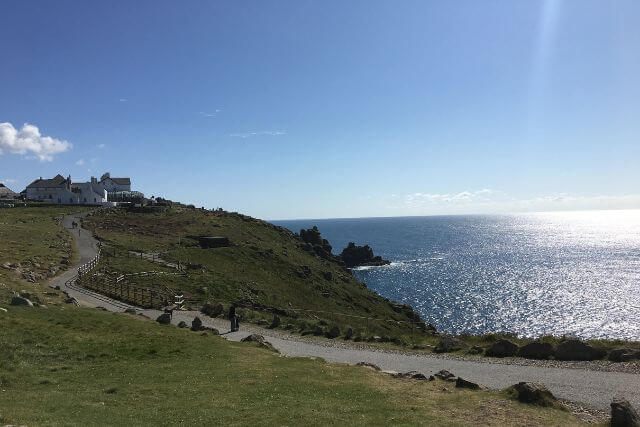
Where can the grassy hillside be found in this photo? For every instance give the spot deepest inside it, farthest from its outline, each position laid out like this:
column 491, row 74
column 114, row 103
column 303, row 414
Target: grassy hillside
column 264, row 270
column 76, row 366
column 33, row 248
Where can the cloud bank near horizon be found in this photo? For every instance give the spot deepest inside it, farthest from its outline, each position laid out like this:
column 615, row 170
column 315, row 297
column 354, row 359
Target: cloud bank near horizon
column 29, row 141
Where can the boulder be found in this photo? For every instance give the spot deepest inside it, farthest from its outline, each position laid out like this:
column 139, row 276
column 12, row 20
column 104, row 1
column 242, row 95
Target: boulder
column 536, row 350
column 164, row 319
column 462, row 383
column 577, row 350
column 131, row 311
column 502, row 348
column 623, row 414
column 369, row 365
column 182, row 324
column 253, row 338
column 622, row 355
column 532, row 393
column 213, row 331
column 448, row 344
column 71, row 300
column 3, row 310
column 17, row 300
column 333, row 332
column 444, row 375
column 196, row 324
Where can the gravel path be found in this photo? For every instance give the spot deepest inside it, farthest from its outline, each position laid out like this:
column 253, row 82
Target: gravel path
column 593, row 388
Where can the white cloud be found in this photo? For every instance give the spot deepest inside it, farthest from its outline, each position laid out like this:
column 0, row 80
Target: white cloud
column 264, row 132
column 214, row 114
column 7, row 181
column 80, row 162
column 123, row 100
column 463, row 197
column 495, row 201
column 101, row 146
column 28, row 140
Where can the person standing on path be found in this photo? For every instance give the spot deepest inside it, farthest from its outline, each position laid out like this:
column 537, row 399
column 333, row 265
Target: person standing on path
column 233, row 318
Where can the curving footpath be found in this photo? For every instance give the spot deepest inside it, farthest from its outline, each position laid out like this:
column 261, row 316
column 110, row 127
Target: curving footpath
column 592, row 388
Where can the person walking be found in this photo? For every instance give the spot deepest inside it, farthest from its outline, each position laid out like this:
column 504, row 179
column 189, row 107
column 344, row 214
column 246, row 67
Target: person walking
column 233, row 318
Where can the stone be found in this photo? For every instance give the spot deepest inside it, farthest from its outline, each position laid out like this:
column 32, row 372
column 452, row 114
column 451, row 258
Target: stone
column 375, row 338
column 71, row 300
column 623, row 414
column 462, row 383
column 536, row 350
column 131, row 311
column 369, row 365
column 164, row 319
column 196, row 324
column 414, row 375
column 333, row 332
column 577, row 350
column 348, row 334
column 622, row 355
column 213, row 331
column 182, row 324
column 534, row 394
column 327, row 275
column 448, row 344
column 502, row 348
column 17, row 300
column 444, row 375
column 253, row 338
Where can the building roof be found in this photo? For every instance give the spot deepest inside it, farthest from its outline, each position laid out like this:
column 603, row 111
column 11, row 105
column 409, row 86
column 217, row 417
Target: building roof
column 119, row 181
column 56, row 181
column 5, row 192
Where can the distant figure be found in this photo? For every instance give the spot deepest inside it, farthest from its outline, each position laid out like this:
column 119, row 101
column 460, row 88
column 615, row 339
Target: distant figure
column 233, row 318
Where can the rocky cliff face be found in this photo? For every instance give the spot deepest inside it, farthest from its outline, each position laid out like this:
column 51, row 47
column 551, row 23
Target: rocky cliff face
column 356, row 256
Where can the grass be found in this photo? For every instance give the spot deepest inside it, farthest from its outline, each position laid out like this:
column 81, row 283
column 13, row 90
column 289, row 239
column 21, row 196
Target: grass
column 67, row 365
column 262, row 270
column 33, row 239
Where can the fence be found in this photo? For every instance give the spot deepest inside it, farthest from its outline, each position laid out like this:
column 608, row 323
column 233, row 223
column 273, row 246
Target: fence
column 121, row 289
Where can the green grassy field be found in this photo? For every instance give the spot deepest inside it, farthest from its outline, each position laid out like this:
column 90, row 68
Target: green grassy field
column 264, row 269
column 63, row 365
column 72, row 366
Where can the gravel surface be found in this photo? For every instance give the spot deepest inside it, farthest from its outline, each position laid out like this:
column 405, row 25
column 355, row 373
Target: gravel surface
column 593, row 384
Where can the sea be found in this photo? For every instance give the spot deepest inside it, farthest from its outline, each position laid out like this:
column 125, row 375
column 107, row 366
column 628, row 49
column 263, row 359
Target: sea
column 553, row 273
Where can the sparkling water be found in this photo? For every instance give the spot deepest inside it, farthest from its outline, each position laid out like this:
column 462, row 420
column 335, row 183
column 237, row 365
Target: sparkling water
column 568, row 273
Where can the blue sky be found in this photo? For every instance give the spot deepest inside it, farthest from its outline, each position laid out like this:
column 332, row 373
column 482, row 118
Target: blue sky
column 310, row 109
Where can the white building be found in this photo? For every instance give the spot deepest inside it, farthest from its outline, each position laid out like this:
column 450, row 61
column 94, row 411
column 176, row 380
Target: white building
column 62, row 191
column 113, row 185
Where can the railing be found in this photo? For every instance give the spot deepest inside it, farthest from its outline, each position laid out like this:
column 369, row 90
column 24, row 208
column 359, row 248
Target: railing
column 119, row 287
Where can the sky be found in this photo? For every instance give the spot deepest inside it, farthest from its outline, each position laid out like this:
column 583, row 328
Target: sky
column 320, row 109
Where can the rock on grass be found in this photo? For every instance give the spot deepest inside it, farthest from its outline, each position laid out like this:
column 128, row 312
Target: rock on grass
column 623, row 414
column 534, row 394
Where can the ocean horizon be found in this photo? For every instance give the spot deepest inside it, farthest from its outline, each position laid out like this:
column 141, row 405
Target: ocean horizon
column 573, row 273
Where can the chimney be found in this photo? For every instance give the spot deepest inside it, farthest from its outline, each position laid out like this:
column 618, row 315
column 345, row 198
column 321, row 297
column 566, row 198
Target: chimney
column 94, row 180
